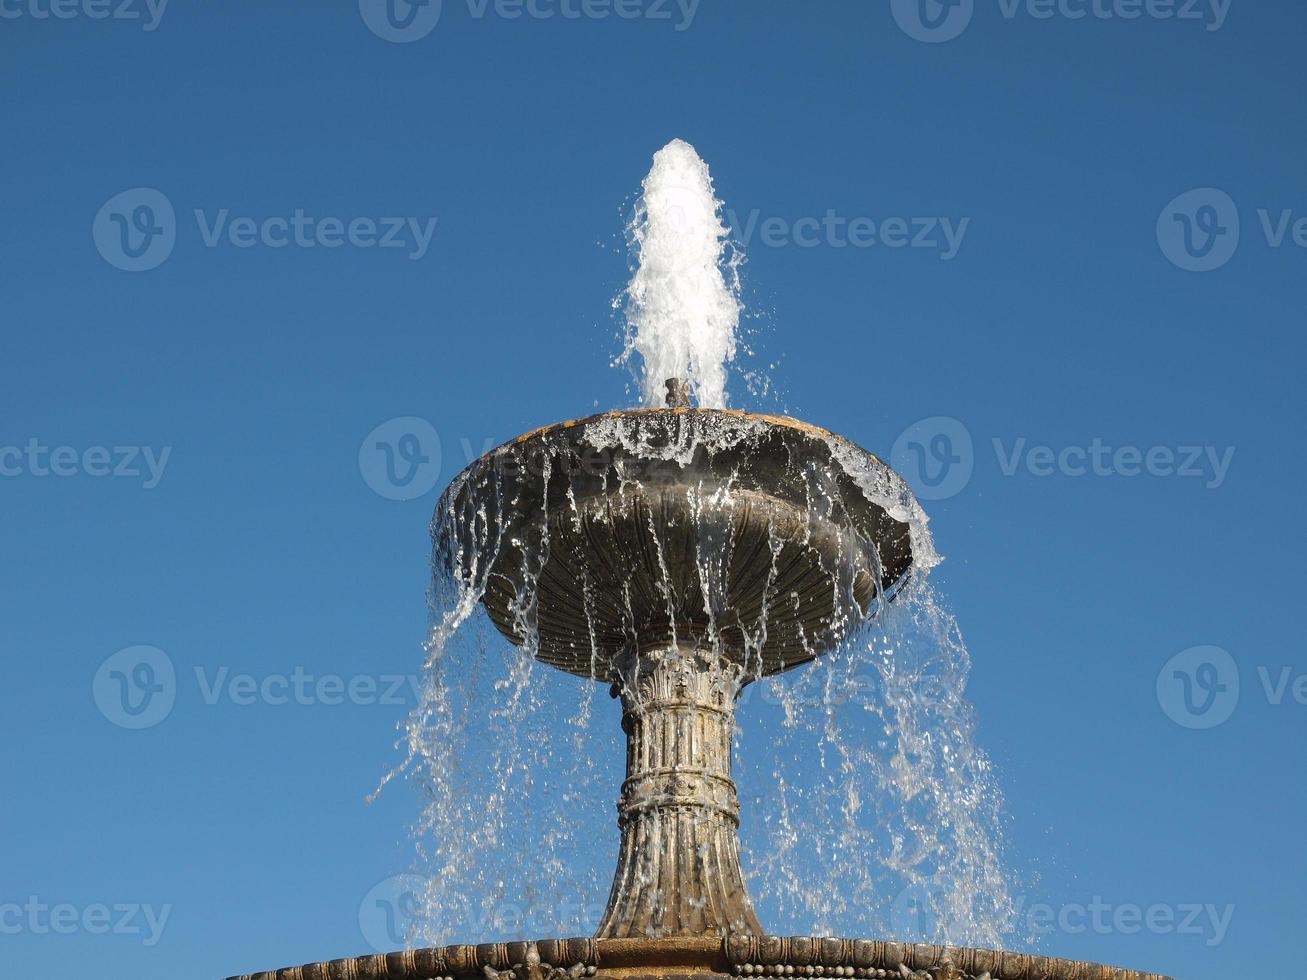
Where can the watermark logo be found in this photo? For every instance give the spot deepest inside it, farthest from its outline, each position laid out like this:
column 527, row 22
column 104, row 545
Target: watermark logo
column 675, row 213
column 400, row 459
column 303, row 230
column 136, row 687
column 923, row 912
column 136, row 229
column 404, row 21
column 390, row 911
column 935, row 456
column 781, row 691
column 1207, row 463
column 1199, row 230
column 1202, row 920
column 300, row 687
column 148, row 12
column 393, row 911
column 941, row 235
column 915, row 915
column 933, row 21
column 1198, row 688
column 937, row 459
column 39, row 918
column 1284, row 684
column 36, row 459
column 400, row 21
column 1210, row 13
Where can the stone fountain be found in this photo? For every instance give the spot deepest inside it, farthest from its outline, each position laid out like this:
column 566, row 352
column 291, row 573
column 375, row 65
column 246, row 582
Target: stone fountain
column 679, row 554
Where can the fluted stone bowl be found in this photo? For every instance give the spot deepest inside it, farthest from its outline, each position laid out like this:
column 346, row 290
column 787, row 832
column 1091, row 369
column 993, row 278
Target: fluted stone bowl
column 630, row 527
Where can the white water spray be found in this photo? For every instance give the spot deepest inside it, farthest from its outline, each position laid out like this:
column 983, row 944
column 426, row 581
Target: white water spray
column 682, row 305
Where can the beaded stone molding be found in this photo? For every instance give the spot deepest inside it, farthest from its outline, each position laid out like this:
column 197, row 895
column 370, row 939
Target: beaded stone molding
column 737, row 955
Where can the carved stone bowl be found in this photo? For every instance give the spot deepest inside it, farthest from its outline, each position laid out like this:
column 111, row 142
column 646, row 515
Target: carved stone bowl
column 642, row 527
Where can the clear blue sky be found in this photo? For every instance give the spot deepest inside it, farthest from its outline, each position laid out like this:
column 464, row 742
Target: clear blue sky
column 1064, row 318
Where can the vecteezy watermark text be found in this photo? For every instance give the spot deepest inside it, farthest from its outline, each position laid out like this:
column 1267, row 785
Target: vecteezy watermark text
column 304, row 688
column 137, row 687
column 1206, row 463
column 391, row 913
column 136, row 230
column 36, row 459
column 922, row 912
column 405, row 21
column 936, row 21
column 942, row 235
column 148, row 12
column 39, row 918
column 1101, row 918
column 938, row 457
column 305, row 231
column 1210, row 13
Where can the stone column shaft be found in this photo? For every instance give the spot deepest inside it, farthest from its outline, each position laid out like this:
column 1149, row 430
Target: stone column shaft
column 678, row 871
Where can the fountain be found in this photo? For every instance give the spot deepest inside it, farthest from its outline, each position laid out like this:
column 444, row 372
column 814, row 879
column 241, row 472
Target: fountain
column 678, row 554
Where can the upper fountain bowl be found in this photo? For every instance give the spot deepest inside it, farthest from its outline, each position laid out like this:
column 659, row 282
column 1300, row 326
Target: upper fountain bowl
column 761, row 537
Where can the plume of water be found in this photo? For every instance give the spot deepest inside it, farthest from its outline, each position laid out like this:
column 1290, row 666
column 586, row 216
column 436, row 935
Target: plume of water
column 682, row 305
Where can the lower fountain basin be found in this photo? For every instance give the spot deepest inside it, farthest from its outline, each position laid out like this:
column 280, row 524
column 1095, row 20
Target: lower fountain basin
column 671, row 959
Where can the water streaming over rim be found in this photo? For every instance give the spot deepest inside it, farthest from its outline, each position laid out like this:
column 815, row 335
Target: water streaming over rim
column 868, row 807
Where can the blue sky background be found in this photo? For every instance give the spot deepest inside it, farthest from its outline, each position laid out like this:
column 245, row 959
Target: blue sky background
column 1062, row 319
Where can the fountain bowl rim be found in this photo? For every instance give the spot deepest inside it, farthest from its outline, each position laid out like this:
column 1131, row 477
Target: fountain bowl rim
column 886, row 514
column 707, row 958
column 785, row 421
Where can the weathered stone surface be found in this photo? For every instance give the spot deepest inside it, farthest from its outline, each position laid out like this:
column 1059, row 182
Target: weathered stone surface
column 678, row 871
column 704, row 957
column 648, row 525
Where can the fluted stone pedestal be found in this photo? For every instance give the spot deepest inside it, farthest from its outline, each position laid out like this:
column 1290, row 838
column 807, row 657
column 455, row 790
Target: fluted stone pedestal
column 678, row 872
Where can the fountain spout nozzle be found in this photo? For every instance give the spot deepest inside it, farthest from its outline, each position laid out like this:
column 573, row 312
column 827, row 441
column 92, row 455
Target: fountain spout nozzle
column 678, row 393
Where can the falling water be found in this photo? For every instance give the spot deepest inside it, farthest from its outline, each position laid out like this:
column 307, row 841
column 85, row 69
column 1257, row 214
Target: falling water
column 868, row 807
column 682, row 305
